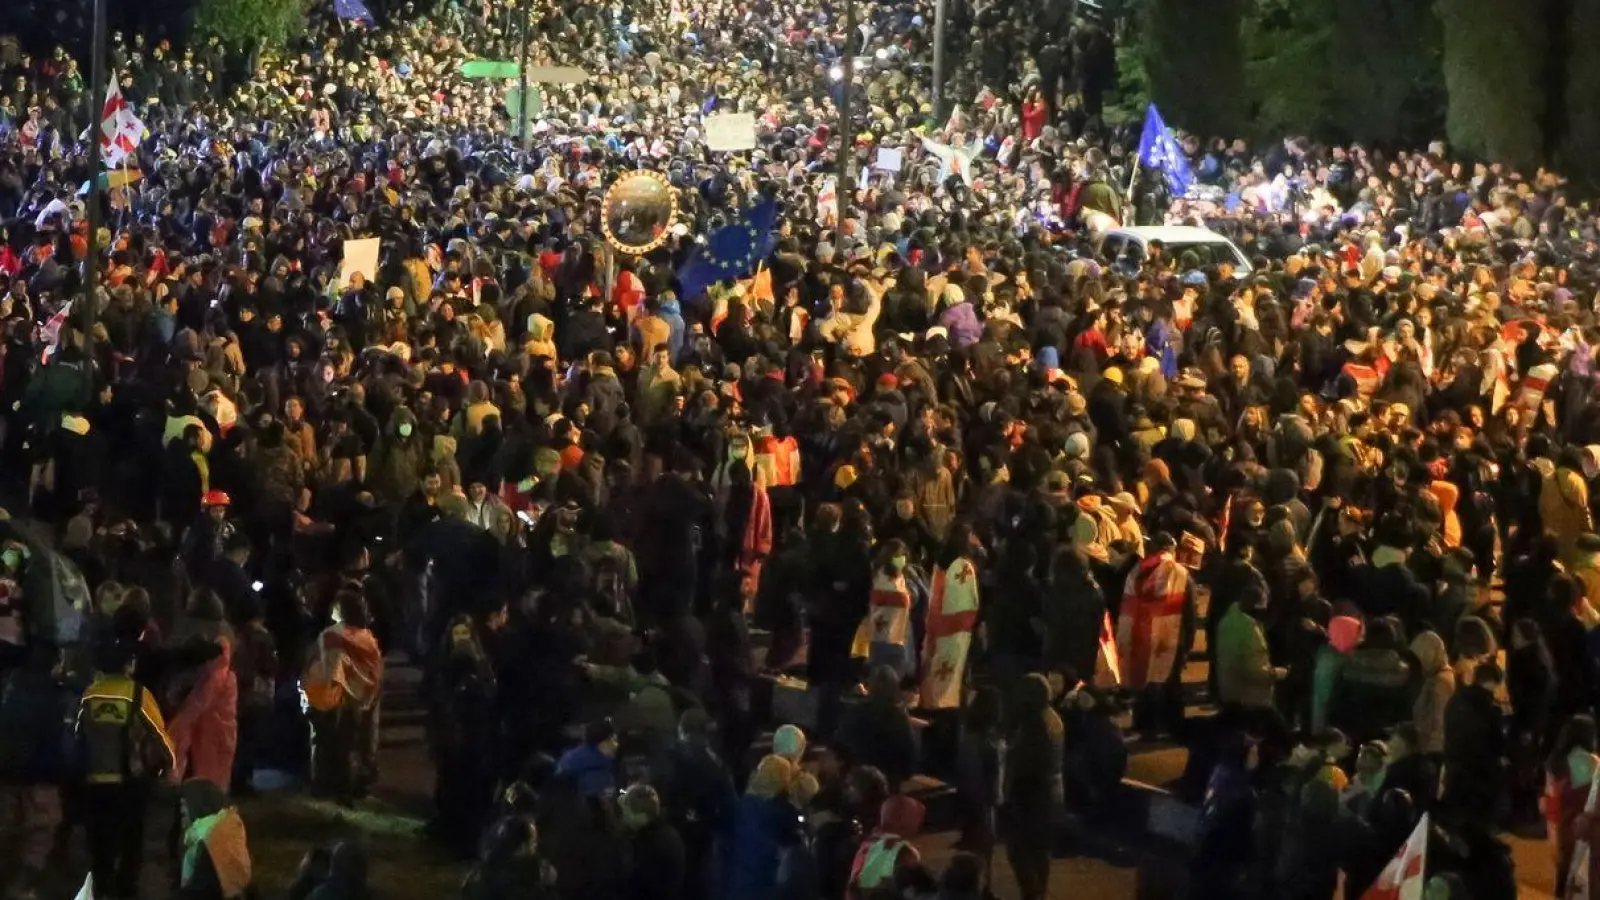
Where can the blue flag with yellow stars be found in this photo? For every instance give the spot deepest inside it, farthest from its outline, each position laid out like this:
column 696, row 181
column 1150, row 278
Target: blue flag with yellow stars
column 732, row 251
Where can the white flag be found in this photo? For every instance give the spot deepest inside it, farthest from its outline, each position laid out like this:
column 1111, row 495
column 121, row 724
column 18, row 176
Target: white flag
column 120, row 130
column 87, row 891
column 1404, row 877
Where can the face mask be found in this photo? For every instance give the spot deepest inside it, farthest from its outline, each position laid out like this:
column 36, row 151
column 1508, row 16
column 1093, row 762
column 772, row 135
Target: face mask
column 739, row 452
column 405, row 429
column 898, row 563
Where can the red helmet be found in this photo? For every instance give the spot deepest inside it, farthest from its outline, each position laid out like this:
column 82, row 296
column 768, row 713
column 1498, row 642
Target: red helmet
column 215, row 498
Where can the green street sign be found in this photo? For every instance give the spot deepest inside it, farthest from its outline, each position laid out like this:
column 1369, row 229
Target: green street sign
column 489, row 68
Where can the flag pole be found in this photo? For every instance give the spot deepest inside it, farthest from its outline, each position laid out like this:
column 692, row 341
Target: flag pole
column 97, row 78
column 1133, row 178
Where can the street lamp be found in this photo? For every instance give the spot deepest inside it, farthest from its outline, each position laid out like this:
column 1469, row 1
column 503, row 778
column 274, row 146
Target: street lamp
column 97, row 87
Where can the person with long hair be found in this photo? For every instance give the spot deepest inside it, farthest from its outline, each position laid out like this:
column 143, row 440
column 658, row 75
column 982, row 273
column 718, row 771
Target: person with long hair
column 889, row 617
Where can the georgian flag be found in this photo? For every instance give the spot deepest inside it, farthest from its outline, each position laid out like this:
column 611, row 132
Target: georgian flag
column 1403, row 878
column 120, row 130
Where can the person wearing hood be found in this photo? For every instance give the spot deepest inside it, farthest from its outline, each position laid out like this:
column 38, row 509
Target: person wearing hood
column 661, row 325
column 1344, row 636
column 1474, row 746
column 205, row 728
column 752, row 847
column 699, row 794
column 1438, row 684
column 1033, row 790
column 400, row 459
column 1155, row 629
column 1564, row 504
column 888, row 851
column 1373, row 691
column 878, row 732
column 461, row 694
column 216, row 851
column 1246, row 677
column 591, row 765
column 539, row 342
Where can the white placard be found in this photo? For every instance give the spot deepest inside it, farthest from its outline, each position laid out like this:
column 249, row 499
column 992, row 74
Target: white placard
column 729, row 132
column 360, row 255
column 889, row 160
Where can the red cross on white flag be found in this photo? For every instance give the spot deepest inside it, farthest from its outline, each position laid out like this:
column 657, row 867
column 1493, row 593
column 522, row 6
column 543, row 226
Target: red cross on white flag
column 120, row 130
column 1404, row 877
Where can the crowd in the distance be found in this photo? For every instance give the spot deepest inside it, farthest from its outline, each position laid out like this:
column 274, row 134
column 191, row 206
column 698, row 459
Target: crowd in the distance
column 937, row 446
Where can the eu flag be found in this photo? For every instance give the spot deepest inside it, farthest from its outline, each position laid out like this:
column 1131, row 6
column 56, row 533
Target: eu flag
column 351, row 9
column 1159, row 152
column 733, row 251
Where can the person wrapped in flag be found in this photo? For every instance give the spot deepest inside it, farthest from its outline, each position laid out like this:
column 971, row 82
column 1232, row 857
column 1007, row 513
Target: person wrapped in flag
column 1154, row 630
column 889, row 611
column 952, row 618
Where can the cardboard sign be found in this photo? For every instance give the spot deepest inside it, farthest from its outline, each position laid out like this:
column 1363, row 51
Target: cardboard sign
column 360, row 255
column 730, row 132
column 889, row 160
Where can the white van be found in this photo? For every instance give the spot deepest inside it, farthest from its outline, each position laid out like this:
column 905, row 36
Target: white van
column 1125, row 247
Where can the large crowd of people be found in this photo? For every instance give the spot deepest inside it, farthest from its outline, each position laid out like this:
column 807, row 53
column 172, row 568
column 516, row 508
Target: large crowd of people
column 698, row 577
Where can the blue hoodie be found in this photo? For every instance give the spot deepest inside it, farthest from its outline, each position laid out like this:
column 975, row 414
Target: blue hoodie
column 1049, row 358
column 674, row 316
column 590, row 769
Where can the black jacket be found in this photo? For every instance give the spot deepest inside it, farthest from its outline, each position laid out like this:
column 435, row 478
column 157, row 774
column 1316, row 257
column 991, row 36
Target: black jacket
column 657, row 863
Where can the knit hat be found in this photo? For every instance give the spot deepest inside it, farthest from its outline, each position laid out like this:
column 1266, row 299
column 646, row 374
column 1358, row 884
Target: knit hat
column 771, row 777
column 1344, row 633
column 789, row 742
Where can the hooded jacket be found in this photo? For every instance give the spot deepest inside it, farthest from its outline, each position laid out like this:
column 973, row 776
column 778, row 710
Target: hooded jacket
column 205, row 729
column 216, row 855
column 400, row 459
column 1438, row 684
column 1244, row 670
column 890, row 849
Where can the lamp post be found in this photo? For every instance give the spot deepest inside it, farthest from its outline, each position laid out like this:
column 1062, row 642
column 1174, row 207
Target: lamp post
column 96, row 93
column 938, row 59
column 847, row 68
column 522, row 78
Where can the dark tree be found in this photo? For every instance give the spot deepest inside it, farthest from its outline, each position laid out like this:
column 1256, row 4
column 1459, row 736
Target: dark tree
column 1194, row 58
column 1494, row 53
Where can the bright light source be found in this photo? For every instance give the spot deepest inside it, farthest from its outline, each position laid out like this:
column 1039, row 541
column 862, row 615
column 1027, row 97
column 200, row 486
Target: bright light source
column 836, row 73
column 882, row 54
